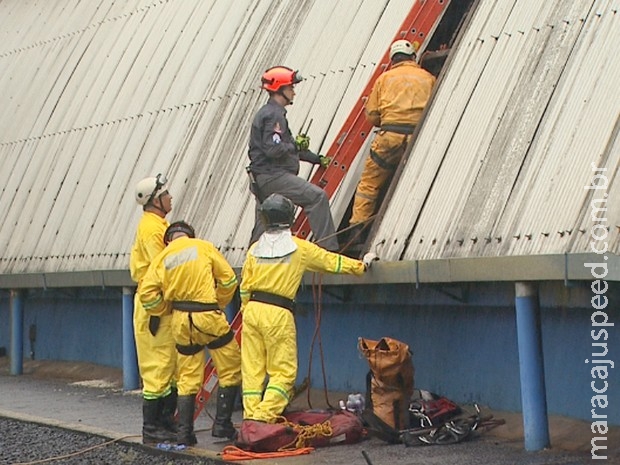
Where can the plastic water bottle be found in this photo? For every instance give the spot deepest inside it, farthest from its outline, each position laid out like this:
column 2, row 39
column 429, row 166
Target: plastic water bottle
column 355, row 403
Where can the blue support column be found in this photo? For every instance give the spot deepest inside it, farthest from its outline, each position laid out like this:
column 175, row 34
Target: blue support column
column 17, row 332
column 531, row 367
column 131, row 377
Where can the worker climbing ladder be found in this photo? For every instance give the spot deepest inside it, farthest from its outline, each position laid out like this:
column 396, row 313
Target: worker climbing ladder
column 419, row 23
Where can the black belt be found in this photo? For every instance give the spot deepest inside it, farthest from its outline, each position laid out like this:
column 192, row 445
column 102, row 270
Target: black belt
column 400, row 129
column 191, row 307
column 273, row 299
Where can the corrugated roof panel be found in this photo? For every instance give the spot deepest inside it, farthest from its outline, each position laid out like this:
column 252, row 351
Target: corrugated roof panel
column 123, row 90
column 514, row 122
column 129, row 89
column 503, row 169
column 583, row 113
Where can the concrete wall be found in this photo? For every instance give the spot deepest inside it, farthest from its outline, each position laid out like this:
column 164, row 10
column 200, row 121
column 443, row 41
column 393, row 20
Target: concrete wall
column 463, row 337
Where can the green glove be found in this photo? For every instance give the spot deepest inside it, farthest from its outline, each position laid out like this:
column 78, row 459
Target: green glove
column 302, row 142
column 324, row 161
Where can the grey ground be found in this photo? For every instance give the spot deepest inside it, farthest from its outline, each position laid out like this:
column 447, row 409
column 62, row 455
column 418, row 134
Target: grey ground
column 59, row 409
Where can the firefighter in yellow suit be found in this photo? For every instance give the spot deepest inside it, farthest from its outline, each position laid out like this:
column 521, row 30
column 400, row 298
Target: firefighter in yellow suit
column 195, row 280
column 395, row 106
column 271, row 276
column 154, row 343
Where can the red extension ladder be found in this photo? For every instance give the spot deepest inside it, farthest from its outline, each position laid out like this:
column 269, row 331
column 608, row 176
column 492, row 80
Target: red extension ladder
column 420, row 22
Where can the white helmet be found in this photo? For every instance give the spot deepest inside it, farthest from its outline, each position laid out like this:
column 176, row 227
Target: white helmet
column 401, row 46
column 150, row 188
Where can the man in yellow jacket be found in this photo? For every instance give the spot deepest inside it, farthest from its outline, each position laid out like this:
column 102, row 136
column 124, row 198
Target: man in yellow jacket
column 271, row 276
column 395, row 106
column 191, row 277
column 154, row 343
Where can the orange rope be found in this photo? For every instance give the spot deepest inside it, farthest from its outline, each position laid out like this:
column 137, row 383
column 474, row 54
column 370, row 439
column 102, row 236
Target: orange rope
column 233, row 453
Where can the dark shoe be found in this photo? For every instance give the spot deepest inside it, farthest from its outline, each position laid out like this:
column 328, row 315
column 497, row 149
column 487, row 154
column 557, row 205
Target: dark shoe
column 185, row 434
column 169, row 408
column 222, row 426
column 152, row 431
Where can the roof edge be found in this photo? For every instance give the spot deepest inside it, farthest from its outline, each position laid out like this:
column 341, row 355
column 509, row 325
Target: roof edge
column 562, row 267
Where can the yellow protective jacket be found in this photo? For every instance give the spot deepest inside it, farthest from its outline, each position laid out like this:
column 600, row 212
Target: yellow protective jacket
column 399, row 95
column 282, row 276
column 187, row 270
column 149, row 242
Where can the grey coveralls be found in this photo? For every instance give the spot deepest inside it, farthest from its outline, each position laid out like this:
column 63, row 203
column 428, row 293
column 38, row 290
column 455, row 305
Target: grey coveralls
column 274, row 161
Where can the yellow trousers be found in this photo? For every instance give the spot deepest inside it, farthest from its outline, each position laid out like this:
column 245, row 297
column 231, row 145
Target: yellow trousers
column 386, row 151
column 201, row 328
column 269, row 348
column 157, row 355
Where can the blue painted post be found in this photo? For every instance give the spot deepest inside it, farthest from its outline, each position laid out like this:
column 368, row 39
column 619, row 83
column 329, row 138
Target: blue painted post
column 531, row 367
column 17, row 332
column 131, row 377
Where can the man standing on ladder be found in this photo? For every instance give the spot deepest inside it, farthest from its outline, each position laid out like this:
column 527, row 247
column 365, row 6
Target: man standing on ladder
column 275, row 155
column 157, row 355
column 395, row 106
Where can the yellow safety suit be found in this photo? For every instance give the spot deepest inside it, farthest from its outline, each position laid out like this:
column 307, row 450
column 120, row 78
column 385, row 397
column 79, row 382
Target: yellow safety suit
column 395, row 105
column 269, row 345
column 195, row 279
column 157, row 354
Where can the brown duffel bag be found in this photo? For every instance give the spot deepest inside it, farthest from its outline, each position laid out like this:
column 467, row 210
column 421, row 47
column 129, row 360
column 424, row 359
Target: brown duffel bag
column 390, row 381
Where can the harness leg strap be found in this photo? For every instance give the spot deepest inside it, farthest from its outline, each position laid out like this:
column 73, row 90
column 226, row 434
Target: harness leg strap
column 221, row 341
column 189, row 349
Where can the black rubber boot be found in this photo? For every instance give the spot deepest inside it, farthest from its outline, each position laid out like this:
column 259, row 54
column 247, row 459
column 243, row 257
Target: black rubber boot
column 169, row 408
column 185, row 434
column 222, row 426
column 152, row 431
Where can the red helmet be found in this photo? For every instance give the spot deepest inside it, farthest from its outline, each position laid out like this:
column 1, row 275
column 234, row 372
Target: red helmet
column 279, row 76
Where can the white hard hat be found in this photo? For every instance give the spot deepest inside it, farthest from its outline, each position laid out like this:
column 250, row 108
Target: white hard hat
column 150, row 188
column 401, row 46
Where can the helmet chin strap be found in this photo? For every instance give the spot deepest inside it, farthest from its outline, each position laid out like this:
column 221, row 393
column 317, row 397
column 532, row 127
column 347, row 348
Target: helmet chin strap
column 288, row 100
column 156, row 207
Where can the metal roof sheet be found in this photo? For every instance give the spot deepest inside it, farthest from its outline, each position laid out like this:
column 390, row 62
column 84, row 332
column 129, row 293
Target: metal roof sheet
column 527, row 103
column 98, row 95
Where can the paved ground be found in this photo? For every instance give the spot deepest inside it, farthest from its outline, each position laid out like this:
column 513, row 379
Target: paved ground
column 90, row 399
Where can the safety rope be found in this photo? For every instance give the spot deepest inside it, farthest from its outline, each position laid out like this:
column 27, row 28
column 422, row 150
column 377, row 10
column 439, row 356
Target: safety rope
column 317, row 295
column 317, row 316
column 233, row 454
column 299, row 446
column 305, row 433
column 351, row 240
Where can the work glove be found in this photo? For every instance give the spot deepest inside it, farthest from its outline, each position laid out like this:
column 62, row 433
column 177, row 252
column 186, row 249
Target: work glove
column 368, row 259
column 324, row 161
column 302, row 142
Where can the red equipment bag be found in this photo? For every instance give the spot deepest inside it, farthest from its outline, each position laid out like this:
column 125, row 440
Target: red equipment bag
column 301, row 429
column 431, row 409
